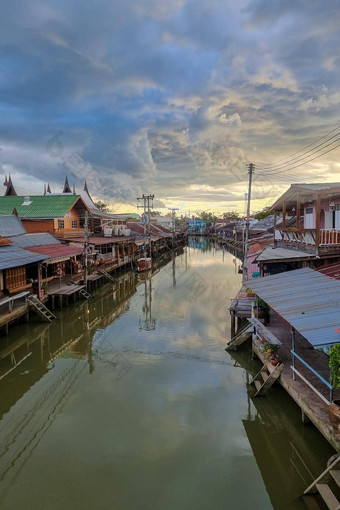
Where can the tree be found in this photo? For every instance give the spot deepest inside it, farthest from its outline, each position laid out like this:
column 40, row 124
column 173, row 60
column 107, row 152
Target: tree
column 263, row 214
column 231, row 215
column 155, row 213
column 102, row 206
column 208, row 217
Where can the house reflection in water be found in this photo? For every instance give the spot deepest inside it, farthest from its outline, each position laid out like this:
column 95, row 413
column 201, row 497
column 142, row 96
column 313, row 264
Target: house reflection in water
column 286, row 451
column 34, row 394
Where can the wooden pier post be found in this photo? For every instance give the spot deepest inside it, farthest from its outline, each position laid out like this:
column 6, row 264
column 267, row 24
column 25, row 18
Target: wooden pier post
column 232, row 325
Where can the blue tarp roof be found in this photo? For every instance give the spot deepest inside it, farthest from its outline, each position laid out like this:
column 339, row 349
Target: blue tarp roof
column 11, row 256
column 306, row 299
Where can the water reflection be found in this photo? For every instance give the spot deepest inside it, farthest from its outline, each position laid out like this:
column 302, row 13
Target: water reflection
column 99, row 414
column 287, row 453
column 148, row 322
column 199, row 242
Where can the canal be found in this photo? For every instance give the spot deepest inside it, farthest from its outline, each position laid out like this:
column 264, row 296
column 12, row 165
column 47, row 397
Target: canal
column 130, row 401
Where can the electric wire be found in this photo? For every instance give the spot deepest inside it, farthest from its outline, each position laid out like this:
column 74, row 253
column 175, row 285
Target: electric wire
column 284, row 170
column 297, row 160
column 286, row 160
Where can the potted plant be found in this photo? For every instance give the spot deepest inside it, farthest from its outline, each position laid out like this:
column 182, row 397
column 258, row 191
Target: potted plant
column 261, row 309
column 249, row 292
column 43, row 290
column 334, row 364
column 270, row 351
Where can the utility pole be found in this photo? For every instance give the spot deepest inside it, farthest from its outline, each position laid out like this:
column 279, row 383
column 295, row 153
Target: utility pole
column 251, row 168
column 86, row 245
column 146, row 215
column 244, row 217
column 173, row 216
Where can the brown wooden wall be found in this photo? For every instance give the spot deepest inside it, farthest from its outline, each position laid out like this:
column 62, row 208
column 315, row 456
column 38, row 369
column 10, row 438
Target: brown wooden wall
column 38, row 226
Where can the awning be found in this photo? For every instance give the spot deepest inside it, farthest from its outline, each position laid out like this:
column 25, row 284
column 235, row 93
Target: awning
column 58, row 259
column 308, row 300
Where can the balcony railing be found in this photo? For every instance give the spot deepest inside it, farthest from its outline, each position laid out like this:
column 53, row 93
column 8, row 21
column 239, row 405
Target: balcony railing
column 60, row 232
column 329, row 236
column 304, row 236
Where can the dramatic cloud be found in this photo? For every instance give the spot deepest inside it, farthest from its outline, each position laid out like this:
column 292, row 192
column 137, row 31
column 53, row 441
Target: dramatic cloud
column 172, row 98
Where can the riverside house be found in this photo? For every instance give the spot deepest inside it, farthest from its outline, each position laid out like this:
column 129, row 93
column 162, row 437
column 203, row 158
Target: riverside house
column 61, row 215
column 316, row 209
column 309, row 230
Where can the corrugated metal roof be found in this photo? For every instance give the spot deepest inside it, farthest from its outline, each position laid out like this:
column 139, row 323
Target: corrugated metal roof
column 56, row 251
column 42, row 206
column 307, row 299
column 26, row 240
column 11, row 256
column 282, row 253
column 317, row 186
column 10, row 225
column 97, row 241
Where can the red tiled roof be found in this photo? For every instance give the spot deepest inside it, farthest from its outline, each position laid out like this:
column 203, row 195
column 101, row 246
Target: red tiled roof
column 154, row 227
column 332, row 270
column 136, row 227
column 255, row 248
column 163, row 229
column 55, row 251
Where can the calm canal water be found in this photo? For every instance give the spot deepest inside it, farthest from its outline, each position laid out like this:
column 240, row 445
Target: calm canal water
column 129, row 401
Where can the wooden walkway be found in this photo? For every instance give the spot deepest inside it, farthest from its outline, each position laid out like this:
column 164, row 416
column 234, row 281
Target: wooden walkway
column 313, row 408
column 64, row 293
column 241, row 304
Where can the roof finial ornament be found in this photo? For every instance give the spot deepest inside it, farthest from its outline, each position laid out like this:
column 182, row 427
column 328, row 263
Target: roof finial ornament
column 10, row 191
column 67, row 188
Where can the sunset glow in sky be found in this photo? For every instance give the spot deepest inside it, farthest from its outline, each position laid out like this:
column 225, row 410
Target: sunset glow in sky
column 172, row 98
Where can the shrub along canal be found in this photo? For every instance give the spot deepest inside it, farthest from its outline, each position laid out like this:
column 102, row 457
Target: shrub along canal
column 129, row 401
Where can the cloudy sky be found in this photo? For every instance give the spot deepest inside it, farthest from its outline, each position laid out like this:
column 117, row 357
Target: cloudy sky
column 167, row 97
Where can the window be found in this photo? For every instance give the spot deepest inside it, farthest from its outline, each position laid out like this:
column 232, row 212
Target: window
column 60, row 223
column 309, row 218
column 74, row 224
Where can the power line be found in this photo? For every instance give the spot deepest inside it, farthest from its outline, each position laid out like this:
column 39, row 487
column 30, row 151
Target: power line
column 284, row 161
column 284, row 170
column 283, row 167
column 281, row 178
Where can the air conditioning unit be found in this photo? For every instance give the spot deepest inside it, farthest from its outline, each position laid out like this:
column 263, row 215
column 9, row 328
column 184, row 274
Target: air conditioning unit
column 107, row 231
column 127, row 232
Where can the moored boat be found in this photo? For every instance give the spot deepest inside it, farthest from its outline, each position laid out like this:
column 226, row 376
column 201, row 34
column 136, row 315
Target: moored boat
column 144, row 263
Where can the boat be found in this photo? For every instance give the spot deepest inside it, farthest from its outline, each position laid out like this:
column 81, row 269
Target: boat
column 144, row 264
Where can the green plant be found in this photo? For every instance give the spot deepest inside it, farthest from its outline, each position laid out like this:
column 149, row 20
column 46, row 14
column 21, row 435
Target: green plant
column 269, row 349
column 334, row 364
column 249, row 291
column 261, row 304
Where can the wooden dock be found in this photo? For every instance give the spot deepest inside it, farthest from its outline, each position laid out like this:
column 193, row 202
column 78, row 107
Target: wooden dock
column 64, row 293
column 313, row 408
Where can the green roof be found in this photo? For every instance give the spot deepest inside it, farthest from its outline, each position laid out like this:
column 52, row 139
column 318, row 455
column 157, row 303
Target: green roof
column 127, row 215
column 41, row 206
